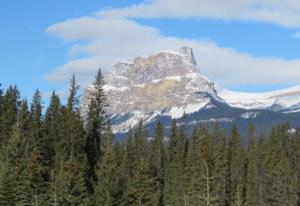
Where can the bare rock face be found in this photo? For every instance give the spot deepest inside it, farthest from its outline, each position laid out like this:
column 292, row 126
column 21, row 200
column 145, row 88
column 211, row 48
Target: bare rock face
column 155, row 83
column 188, row 55
column 147, row 84
column 168, row 84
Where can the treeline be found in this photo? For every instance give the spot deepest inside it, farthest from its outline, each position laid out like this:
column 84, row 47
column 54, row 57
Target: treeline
column 57, row 158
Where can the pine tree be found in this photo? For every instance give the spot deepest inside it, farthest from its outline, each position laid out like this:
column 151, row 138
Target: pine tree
column 53, row 130
column 294, row 158
column 7, row 190
column 141, row 187
column 198, row 169
column 194, row 186
column 76, row 159
column 127, row 167
column 252, row 181
column 157, row 159
column 278, row 177
column 94, row 129
column 261, row 167
column 23, row 135
column 107, row 187
column 174, row 174
column 10, row 108
column 40, row 157
column 14, row 189
column 208, row 199
column 218, row 170
column 66, row 131
column 235, row 173
column 51, row 133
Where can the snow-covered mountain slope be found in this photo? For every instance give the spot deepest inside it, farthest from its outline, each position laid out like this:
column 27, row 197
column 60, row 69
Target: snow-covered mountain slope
column 168, row 85
column 286, row 100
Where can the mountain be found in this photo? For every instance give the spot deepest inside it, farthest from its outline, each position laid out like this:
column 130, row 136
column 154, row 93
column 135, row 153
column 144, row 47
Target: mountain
column 169, row 85
column 287, row 100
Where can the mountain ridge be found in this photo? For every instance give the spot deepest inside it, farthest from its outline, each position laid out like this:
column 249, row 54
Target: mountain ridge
column 169, row 84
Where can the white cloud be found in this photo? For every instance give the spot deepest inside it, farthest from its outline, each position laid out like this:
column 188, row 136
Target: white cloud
column 107, row 39
column 280, row 12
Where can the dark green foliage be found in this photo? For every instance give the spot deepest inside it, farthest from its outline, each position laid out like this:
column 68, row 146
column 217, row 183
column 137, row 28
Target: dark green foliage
column 10, row 108
column 174, row 168
column 94, row 130
column 141, row 187
column 1, row 100
column 15, row 188
column 68, row 176
column 218, row 165
column 193, row 169
column 252, row 181
column 235, row 170
column 56, row 157
column 106, row 189
column 157, row 160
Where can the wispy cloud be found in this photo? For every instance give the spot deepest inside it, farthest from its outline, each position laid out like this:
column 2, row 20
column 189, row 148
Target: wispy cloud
column 111, row 35
column 284, row 13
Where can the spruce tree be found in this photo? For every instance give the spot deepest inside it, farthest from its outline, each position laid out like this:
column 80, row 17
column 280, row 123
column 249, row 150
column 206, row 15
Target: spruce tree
column 193, row 184
column 252, row 181
column 218, row 170
column 174, row 173
column 141, row 187
column 235, row 173
column 7, row 187
column 157, row 159
column 278, row 176
column 40, row 157
column 68, row 182
column 94, row 130
column 294, row 157
column 8, row 118
column 76, row 158
column 14, row 184
column 107, row 187
column 127, row 167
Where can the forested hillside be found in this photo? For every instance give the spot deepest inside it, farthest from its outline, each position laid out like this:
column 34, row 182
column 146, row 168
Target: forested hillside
column 54, row 156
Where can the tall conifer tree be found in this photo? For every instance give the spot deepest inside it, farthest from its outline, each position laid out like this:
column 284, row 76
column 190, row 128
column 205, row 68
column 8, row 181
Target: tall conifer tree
column 10, row 108
column 95, row 129
column 235, row 187
column 157, row 160
column 252, row 182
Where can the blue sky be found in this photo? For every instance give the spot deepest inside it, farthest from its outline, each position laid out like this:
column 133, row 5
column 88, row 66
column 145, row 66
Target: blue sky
column 43, row 42
column 27, row 52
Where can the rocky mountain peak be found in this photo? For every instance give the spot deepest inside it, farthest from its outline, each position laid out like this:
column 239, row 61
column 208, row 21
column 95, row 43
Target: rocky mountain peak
column 156, row 82
column 160, row 65
column 188, row 55
column 169, row 84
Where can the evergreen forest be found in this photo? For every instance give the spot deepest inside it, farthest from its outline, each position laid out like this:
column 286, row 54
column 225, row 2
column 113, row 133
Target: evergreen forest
column 56, row 156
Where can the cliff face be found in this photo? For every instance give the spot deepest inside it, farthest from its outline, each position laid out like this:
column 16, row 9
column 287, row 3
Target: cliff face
column 154, row 83
column 168, row 85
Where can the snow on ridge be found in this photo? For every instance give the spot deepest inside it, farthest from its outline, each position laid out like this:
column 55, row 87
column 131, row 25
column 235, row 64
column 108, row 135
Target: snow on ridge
column 265, row 100
column 110, row 87
column 139, row 85
column 249, row 115
column 173, row 112
column 170, row 51
column 179, row 111
column 176, row 78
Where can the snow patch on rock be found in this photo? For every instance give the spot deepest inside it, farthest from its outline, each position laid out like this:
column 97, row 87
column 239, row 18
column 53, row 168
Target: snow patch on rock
column 249, row 115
